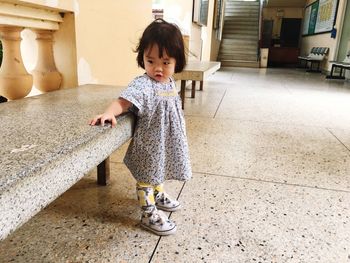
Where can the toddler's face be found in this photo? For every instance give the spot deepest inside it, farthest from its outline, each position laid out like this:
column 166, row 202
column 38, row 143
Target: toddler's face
column 159, row 69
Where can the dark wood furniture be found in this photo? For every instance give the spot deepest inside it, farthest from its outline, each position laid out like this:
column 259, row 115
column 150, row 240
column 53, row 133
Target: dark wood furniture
column 281, row 56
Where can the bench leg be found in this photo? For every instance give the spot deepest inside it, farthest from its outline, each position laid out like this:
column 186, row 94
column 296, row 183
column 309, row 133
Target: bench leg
column 331, row 76
column 193, row 92
column 103, row 172
column 306, row 65
column 201, row 85
column 312, row 67
column 182, row 93
column 332, row 70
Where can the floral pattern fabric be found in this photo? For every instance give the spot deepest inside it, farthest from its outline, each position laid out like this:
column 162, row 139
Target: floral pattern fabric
column 159, row 148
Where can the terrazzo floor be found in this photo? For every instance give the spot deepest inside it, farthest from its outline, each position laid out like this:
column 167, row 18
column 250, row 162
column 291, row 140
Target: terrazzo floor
column 270, row 151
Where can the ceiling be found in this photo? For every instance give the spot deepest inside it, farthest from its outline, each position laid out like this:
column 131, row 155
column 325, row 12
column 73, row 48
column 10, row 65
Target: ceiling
column 285, row 3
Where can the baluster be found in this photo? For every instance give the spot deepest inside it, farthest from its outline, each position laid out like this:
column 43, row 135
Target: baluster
column 15, row 82
column 46, row 76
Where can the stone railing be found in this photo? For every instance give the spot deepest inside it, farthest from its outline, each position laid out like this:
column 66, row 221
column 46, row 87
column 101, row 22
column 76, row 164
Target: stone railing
column 15, row 81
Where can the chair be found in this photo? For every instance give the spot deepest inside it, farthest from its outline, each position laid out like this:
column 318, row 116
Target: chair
column 342, row 65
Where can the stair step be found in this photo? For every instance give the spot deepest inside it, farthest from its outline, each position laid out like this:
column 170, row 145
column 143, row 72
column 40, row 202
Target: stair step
column 235, row 7
column 244, row 57
column 238, row 63
column 238, row 48
column 241, row 18
column 239, row 42
column 242, row 26
column 242, row 31
column 243, row 8
column 240, row 23
column 230, row 51
column 239, row 45
column 242, row 3
column 241, row 13
column 240, row 36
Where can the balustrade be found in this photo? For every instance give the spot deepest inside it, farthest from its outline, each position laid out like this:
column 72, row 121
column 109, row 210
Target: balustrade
column 15, row 81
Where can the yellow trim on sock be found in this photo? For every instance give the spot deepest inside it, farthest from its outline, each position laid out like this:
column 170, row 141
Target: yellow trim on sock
column 145, row 194
column 159, row 188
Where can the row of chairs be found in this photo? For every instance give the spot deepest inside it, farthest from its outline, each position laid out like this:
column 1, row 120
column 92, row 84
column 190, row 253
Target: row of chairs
column 317, row 55
column 314, row 58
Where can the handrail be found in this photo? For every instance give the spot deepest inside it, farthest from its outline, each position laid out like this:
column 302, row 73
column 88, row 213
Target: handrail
column 261, row 3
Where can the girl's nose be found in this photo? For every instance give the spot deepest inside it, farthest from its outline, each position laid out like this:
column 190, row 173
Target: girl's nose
column 158, row 68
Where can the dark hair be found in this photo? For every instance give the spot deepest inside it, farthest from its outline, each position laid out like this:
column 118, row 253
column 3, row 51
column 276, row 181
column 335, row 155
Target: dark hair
column 168, row 38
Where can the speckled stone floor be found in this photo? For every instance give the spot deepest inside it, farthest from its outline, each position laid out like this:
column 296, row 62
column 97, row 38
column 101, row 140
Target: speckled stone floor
column 270, row 151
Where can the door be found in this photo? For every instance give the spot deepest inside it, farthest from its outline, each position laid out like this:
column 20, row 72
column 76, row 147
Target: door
column 290, row 32
column 266, row 33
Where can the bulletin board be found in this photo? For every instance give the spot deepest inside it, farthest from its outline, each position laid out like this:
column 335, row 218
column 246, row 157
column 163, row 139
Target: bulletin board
column 319, row 17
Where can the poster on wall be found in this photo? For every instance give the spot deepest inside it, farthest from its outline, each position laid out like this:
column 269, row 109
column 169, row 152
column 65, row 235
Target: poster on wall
column 313, row 18
column 319, row 17
column 326, row 16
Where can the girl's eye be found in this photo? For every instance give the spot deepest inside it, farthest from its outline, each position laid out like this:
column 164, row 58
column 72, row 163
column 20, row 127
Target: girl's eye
column 166, row 63
column 150, row 61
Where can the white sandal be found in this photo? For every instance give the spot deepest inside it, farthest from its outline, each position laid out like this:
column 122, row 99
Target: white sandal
column 166, row 203
column 158, row 223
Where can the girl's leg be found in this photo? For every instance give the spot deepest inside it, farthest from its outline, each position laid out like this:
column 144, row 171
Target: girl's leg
column 163, row 201
column 152, row 219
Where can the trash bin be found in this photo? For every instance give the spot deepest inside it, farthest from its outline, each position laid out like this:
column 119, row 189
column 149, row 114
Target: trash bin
column 264, row 55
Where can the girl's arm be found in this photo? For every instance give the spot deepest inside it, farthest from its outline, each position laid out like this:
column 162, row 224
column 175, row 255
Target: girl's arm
column 116, row 108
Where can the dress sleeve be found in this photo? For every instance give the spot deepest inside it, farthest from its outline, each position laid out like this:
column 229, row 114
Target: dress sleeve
column 135, row 93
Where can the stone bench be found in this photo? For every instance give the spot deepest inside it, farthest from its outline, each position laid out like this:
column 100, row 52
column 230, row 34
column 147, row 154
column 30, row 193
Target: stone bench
column 47, row 146
column 195, row 71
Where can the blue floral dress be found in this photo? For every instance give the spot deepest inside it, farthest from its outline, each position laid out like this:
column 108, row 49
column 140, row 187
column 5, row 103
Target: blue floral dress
column 159, row 148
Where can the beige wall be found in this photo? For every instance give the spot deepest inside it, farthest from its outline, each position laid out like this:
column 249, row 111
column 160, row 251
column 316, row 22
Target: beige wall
column 95, row 42
column 64, row 5
column 325, row 40
column 65, row 51
column 106, row 36
column 271, row 14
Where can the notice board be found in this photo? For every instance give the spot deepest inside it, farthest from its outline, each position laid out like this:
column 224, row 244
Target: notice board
column 319, row 17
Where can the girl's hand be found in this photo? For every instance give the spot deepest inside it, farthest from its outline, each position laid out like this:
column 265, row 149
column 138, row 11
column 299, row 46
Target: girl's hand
column 103, row 118
column 116, row 108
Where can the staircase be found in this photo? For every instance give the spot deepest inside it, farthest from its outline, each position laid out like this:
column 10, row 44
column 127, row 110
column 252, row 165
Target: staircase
column 239, row 44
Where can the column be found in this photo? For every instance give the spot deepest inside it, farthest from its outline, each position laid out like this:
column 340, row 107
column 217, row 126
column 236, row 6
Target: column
column 15, row 82
column 46, row 76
